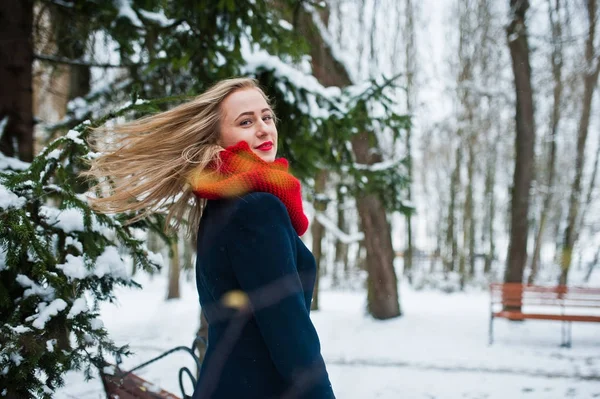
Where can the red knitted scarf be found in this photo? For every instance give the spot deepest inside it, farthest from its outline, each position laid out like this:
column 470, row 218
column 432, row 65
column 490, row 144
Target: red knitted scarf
column 242, row 172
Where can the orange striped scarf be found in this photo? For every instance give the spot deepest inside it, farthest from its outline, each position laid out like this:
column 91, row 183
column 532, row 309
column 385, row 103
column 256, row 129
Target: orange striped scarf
column 242, row 172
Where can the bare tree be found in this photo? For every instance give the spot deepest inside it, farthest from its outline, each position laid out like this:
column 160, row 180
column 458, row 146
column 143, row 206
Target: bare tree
column 491, row 129
column 341, row 248
column 557, row 66
column 410, row 67
column 174, row 269
column 189, row 253
column 524, row 143
column 16, row 57
column 318, row 231
column 382, row 296
column 451, row 242
column 72, row 46
column 490, row 208
column 467, row 52
column 590, row 189
column 590, row 78
column 592, row 265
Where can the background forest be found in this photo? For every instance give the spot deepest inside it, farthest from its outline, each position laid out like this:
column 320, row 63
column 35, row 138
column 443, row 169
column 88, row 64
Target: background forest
column 442, row 145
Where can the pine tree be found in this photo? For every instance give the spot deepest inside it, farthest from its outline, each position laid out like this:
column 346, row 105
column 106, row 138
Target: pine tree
column 58, row 261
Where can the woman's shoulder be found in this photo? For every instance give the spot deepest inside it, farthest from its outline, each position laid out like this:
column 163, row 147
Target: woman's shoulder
column 258, row 203
column 260, row 208
column 259, row 199
column 250, row 211
column 224, row 217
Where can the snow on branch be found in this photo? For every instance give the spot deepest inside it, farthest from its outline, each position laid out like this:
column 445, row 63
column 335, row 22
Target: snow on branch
column 376, row 167
column 32, row 288
column 157, row 17
column 258, row 58
column 332, row 228
column 3, row 124
column 126, row 11
column 379, row 166
column 8, row 199
column 47, row 312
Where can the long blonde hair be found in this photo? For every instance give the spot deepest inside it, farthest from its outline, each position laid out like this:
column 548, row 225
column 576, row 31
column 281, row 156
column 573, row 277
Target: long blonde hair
column 149, row 159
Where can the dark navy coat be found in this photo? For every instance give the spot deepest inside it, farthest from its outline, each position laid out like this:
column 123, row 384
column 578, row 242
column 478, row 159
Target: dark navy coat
column 247, row 248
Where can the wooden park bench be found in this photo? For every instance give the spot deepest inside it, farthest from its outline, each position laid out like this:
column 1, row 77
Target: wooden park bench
column 120, row 384
column 516, row 301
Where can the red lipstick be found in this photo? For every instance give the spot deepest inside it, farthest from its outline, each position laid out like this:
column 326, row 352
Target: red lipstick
column 266, row 146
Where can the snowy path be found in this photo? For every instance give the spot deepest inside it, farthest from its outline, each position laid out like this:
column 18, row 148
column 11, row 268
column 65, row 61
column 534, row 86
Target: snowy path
column 438, row 349
column 407, row 383
column 462, row 369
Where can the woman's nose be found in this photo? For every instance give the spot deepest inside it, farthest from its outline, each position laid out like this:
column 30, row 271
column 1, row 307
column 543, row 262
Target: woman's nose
column 263, row 128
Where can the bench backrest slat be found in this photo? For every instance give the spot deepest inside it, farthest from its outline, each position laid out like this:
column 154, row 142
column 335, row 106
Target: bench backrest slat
column 514, row 294
column 131, row 386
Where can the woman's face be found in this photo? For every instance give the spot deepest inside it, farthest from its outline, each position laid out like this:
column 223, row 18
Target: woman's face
column 246, row 116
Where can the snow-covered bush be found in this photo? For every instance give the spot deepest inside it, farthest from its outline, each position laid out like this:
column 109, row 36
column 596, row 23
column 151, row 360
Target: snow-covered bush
column 58, row 261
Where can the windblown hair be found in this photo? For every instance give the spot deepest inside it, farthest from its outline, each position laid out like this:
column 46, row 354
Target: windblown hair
column 147, row 161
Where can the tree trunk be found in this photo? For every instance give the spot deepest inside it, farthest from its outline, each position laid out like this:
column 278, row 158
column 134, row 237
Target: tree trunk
column 488, row 66
column 71, row 43
column 591, row 266
column 173, row 291
column 383, row 300
column 590, row 191
column 490, row 182
column 361, row 43
column 382, row 295
column 439, row 239
column 410, row 56
column 556, row 231
column 188, row 257
column 16, row 100
column 469, row 209
column 590, row 77
column 154, row 244
column 557, row 63
column 341, row 248
column 451, row 244
column 361, row 256
column 524, row 143
column 462, row 263
column 465, row 119
column 317, row 232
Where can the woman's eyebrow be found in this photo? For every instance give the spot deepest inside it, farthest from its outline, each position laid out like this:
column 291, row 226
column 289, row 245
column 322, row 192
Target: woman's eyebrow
column 244, row 113
column 251, row 113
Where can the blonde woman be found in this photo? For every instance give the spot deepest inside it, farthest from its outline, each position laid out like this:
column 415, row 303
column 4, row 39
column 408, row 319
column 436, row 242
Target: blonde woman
column 254, row 275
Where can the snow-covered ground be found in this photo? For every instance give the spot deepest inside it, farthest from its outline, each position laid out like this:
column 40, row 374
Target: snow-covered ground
column 438, row 349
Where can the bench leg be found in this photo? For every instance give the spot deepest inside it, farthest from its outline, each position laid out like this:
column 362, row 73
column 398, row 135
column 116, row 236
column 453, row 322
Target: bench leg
column 566, row 334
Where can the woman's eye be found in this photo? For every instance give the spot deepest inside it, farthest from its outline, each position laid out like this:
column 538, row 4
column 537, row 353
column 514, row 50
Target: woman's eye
column 245, row 122
column 267, row 117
